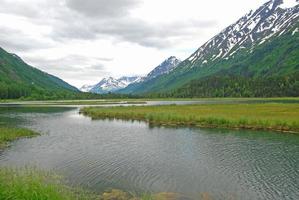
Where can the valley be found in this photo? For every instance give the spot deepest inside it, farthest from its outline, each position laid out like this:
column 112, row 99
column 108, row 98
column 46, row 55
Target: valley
column 221, row 123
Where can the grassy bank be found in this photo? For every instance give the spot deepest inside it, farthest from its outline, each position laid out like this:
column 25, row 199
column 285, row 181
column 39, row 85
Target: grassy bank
column 9, row 134
column 277, row 117
column 31, row 184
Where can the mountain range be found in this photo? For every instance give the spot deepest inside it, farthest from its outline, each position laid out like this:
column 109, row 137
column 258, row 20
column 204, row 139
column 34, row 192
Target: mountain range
column 261, row 47
column 257, row 56
column 111, row 84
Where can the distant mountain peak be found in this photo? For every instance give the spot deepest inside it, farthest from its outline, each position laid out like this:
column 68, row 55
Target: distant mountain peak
column 110, row 84
column 165, row 67
column 86, row 88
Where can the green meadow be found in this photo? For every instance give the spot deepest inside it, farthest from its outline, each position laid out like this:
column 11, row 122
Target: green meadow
column 263, row 116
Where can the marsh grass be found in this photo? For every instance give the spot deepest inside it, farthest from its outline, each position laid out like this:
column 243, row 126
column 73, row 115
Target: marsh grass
column 271, row 116
column 8, row 134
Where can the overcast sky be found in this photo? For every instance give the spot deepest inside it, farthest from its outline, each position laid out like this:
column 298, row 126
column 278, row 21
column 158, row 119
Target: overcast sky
column 82, row 41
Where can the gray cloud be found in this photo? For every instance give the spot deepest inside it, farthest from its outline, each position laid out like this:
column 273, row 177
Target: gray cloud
column 71, row 66
column 98, row 67
column 102, row 8
column 70, row 62
column 132, row 30
column 99, row 19
column 19, row 8
column 16, row 40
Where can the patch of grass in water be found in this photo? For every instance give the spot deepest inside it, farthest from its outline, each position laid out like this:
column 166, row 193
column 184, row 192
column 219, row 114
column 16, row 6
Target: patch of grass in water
column 8, row 134
column 272, row 116
column 32, row 184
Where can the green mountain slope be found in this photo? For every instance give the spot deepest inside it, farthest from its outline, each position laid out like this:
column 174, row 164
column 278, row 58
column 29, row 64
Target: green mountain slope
column 18, row 79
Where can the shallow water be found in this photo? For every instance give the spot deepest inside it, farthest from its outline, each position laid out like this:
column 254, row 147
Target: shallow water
column 135, row 157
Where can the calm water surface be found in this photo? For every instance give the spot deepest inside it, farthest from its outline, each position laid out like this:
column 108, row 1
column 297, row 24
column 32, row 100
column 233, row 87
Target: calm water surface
column 135, row 157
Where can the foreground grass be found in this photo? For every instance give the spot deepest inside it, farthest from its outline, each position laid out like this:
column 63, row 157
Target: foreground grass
column 31, row 184
column 274, row 116
column 9, row 134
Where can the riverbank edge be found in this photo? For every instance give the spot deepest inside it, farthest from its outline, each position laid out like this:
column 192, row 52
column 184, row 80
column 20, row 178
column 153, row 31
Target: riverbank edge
column 203, row 122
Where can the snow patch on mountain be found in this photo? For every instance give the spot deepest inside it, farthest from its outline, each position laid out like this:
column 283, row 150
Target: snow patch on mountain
column 165, row 67
column 110, row 84
column 254, row 28
column 86, row 88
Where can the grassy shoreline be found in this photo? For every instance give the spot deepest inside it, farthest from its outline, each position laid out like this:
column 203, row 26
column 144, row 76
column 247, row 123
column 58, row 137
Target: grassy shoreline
column 30, row 183
column 272, row 116
column 8, row 134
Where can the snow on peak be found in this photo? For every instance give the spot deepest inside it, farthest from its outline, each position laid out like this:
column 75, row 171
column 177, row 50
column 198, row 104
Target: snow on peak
column 289, row 4
column 86, row 88
column 110, row 84
column 165, row 67
column 275, row 17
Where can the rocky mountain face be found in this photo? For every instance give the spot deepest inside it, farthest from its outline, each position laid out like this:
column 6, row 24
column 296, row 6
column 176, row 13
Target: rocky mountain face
column 164, row 68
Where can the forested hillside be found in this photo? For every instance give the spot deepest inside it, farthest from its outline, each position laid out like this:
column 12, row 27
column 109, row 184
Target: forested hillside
column 18, row 79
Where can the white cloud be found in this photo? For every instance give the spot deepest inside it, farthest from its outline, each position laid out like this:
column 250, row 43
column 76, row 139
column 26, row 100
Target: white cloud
column 83, row 40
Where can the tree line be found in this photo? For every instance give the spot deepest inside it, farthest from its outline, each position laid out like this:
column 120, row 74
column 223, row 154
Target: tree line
column 237, row 86
column 23, row 92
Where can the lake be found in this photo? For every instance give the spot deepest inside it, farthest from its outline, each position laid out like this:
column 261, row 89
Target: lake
column 132, row 156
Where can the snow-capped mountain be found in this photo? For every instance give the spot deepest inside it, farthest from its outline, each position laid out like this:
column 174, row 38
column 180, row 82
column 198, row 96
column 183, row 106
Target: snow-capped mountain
column 86, row 88
column 164, row 68
column 272, row 18
column 263, row 42
column 130, row 79
column 110, row 84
